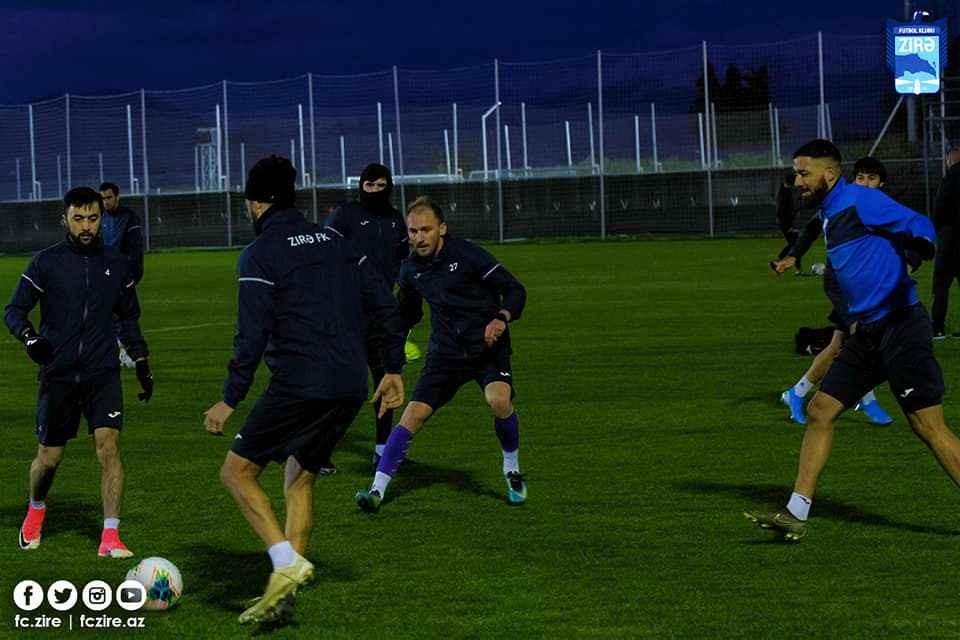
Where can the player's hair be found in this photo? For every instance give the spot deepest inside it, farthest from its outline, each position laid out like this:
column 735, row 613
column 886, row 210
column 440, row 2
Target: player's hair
column 109, row 186
column 428, row 203
column 868, row 164
column 819, row 148
column 81, row 197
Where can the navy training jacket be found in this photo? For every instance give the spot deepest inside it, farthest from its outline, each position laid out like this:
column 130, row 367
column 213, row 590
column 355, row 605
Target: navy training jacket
column 305, row 294
column 123, row 231
column 465, row 287
column 79, row 291
column 382, row 237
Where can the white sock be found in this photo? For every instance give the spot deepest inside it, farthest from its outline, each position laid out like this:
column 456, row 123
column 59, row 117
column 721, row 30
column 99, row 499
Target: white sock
column 511, row 461
column 802, row 387
column 799, row 506
column 281, row 554
column 868, row 398
column 380, row 482
column 379, row 449
column 111, row 523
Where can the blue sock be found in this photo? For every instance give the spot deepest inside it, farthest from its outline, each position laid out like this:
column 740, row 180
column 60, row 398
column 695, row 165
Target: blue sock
column 508, row 432
column 395, row 450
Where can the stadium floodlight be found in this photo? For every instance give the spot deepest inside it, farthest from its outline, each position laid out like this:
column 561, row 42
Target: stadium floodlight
column 483, row 128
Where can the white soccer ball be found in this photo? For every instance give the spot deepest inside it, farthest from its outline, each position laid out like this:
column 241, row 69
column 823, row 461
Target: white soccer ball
column 161, row 579
column 818, row 268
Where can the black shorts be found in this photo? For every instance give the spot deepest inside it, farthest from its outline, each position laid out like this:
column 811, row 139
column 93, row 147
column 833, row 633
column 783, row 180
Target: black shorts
column 441, row 378
column 280, row 426
column 899, row 349
column 60, row 405
column 838, row 314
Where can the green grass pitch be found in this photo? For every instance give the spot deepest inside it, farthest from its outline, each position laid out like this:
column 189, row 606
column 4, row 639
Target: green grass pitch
column 648, row 376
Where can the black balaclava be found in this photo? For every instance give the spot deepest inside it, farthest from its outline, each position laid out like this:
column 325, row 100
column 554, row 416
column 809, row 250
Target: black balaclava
column 271, row 180
column 378, row 201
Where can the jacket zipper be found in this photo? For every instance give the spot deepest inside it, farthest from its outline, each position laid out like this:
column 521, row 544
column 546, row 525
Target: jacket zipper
column 86, row 299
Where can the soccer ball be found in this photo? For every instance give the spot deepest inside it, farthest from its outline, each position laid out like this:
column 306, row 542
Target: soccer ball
column 162, row 580
column 818, row 268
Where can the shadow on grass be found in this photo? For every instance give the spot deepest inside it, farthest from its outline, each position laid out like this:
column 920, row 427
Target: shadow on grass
column 247, row 575
column 412, row 475
column 826, row 507
column 65, row 514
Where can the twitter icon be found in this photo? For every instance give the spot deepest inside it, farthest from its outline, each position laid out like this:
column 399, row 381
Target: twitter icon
column 62, row 595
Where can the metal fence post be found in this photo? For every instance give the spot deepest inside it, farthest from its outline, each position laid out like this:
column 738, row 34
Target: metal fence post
column 225, row 178
column 313, row 148
column 130, row 148
column 69, row 173
column 706, row 110
column 496, row 101
column 603, row 198
column 33, row 156
column 146, row 169
column 821, row 114
column 396, row 106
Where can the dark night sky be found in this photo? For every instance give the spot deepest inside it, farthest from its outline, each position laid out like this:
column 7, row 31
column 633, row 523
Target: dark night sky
column 51, row 47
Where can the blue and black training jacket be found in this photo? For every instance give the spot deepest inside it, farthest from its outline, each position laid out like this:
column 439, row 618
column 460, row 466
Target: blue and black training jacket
column 867, row 233
column 305, row 296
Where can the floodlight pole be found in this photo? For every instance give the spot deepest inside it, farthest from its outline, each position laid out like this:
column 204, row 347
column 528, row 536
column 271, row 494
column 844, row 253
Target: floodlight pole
column 706, row 108
column 343, row 162
column 506, row 140
column 593, row 157
column 653, row 133
column 396, row 105
column 146, row 169
column 636, row 139
column 303, row 159
column 566, row 126
column 483, row 129
column 446, row 149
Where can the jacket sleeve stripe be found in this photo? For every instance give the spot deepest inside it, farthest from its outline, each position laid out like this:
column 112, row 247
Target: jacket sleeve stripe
column 361, row 260
column 272, row 284
column 334, row 230
column 35, row 285
column 495, row 267
column 129, row 229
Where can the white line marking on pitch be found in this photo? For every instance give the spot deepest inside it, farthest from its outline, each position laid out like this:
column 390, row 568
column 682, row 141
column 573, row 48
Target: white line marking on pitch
column 187, row 327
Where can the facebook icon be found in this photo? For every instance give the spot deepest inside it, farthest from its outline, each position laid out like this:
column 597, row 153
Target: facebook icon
column 28, row 595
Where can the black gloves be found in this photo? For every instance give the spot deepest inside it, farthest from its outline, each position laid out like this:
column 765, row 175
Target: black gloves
column 38, row 348
column 924, row 249
column 145, row 378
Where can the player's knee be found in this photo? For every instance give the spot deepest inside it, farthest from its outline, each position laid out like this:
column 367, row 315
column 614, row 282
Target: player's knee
column 499, row 403
column 821, row 410
column 107, row 450
column 926, row 429
column 49, row 457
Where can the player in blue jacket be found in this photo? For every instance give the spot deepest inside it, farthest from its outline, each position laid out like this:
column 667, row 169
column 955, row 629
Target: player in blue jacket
column 868, row 236
column 472, row 299
column 305, row 294
column 80, row 285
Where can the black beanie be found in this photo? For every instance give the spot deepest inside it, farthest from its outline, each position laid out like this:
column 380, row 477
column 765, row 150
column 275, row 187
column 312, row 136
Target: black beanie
column 272, row 180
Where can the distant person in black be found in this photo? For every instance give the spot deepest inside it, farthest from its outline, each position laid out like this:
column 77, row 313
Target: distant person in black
column 789, row 207
column 81, row 286
column 380, row 233
column 472, row 299
column 122, row 229
column 946, row 265
column 305, row 295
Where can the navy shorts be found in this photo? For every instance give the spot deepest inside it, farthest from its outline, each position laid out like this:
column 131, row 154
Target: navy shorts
column 839, row 316
column 280, row 426
column 441, row 378
column 60, row 405
column 897, row 348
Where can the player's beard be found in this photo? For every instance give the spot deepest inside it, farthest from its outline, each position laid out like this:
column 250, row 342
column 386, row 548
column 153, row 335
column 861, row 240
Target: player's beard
column 815, row 197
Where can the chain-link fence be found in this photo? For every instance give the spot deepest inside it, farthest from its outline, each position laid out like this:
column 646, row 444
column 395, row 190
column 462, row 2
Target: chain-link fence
column 689, row 141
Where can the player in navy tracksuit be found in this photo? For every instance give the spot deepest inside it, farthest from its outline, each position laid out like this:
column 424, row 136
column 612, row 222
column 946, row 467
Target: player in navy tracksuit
column 380, row 233
column 305, row 294
column 868, row 235
column 80, row 285
column 122, row 229
column 472, row 299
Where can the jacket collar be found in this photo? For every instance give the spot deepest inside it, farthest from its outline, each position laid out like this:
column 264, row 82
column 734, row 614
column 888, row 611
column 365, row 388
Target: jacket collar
column 273, row 216
column 839, row 186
